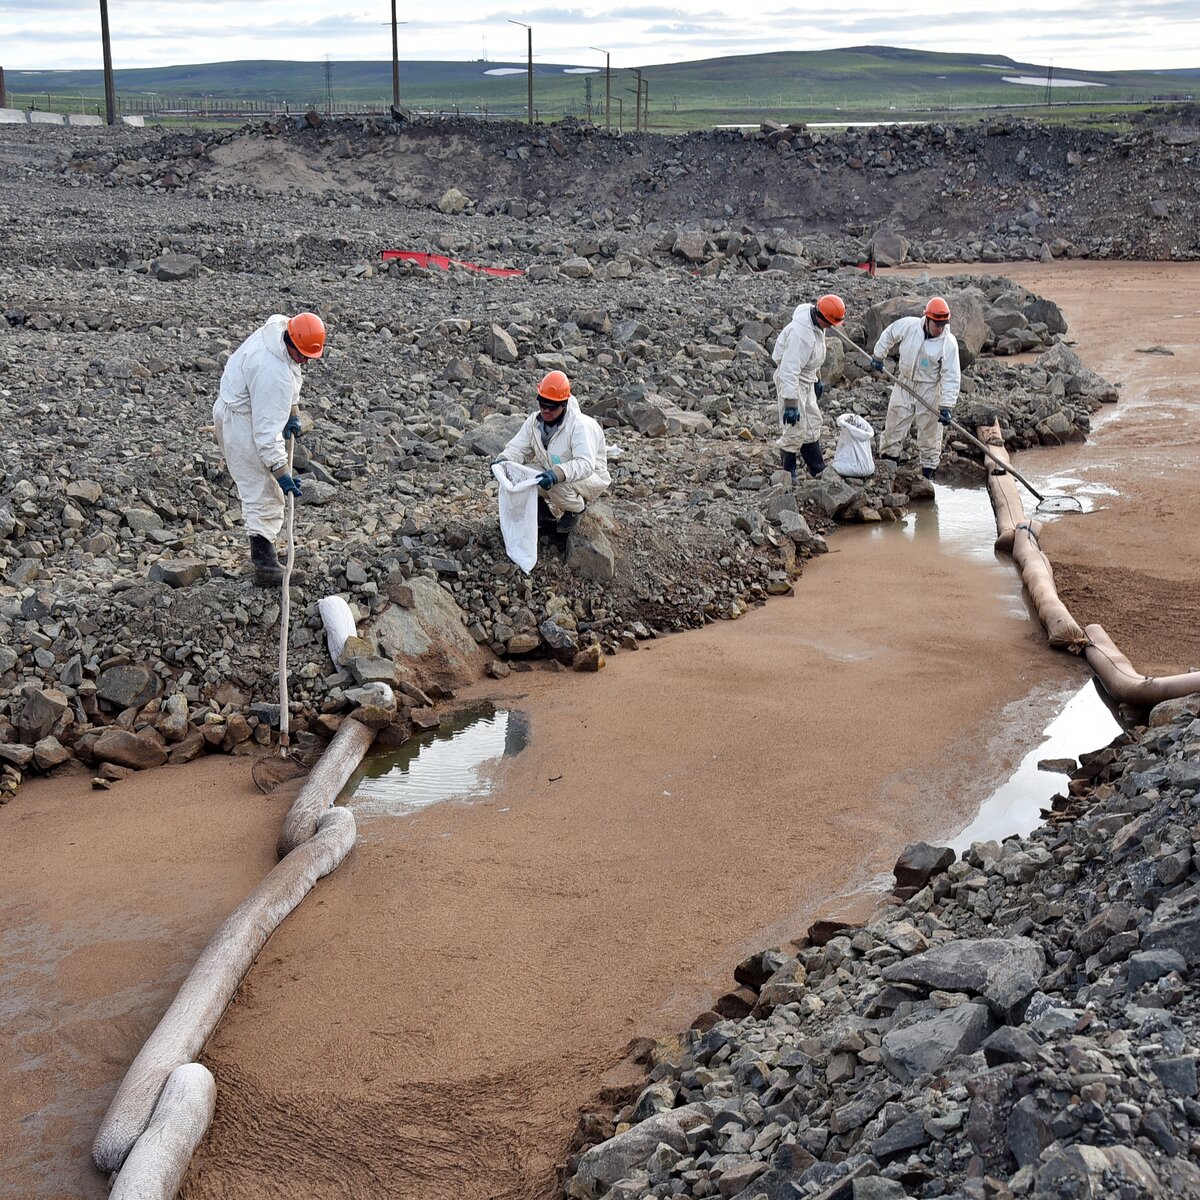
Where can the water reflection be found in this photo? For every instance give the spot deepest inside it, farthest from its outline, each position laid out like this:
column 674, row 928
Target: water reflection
column 452, row 761
column 1085, row 724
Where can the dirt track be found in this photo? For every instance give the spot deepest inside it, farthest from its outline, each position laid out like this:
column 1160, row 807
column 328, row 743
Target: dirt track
column 429, row 1022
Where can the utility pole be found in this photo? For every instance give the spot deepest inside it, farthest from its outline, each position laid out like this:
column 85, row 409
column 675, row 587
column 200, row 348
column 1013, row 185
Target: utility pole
column 328, row 86
column 395, row 61
column 607, row 88
column 1049, row 82
column 110, row 96
column 646, row 107
column 637, row 112
column 529, row 31
column 620, row 115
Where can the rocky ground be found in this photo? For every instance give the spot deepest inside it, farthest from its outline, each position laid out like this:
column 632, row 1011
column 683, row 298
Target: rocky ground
column 1017, row 1021
column 130, row 632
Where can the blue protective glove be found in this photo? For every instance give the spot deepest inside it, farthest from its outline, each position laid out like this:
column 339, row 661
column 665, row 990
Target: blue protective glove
column 289, row 484
column 547, row 479
column 877, row 364
column 791, row 415
column 292, row 428
column 819, row 389
column 944, row 416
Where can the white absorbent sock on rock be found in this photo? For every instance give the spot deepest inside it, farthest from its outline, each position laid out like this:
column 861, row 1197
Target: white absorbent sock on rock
column 339, row 625
column 853, row 455
column 159, row 1159
column 208, row 989
column 518, row 511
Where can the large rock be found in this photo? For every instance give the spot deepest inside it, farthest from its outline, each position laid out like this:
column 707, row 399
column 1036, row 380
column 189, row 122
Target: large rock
column 1096, row 1173
column 491, row 435
column 601, row 1166
column 170, row 268
column 429, row 642
column 129, row 686
column 589, row 552
column 690, row 244
column 128, row 750
column 920, row 862
column 500, row 346
column 1077, row 379
column 452, row 202
column 1004, row 971
column 931, row 1043
column 888, row 248
column 42, row 709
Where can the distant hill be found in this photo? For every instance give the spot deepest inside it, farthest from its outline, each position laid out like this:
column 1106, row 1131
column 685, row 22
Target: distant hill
column 860, row 78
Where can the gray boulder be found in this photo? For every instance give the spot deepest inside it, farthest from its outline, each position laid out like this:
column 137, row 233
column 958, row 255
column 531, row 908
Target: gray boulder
column 1004, row 971
column 930, row 1043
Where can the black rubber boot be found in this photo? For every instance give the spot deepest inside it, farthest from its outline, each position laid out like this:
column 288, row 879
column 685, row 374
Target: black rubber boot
column 813, row 459
column 927, row 472
column 788, row 460
column 268, row 571
column 569, row 520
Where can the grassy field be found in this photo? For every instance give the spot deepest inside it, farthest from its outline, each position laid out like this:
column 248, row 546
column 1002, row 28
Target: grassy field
column 866, row 83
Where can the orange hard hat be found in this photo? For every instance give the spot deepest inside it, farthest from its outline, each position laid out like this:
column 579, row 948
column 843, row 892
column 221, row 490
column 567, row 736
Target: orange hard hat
column 832, row 308
column 937, row 309
column 307, row 332
column 555, row 387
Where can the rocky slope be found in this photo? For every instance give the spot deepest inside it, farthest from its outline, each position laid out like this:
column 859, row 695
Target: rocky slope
column 144, row 259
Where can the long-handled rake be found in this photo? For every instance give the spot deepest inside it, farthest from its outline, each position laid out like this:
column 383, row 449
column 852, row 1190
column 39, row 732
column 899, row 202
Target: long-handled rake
column 1053, row 503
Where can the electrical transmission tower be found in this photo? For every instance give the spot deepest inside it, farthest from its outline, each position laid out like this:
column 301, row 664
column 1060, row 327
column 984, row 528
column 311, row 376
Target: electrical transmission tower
column 328, row 86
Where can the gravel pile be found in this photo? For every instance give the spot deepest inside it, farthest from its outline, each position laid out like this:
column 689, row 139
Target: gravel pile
column 121, row 543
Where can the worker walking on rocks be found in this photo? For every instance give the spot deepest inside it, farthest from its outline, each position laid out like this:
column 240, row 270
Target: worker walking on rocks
column 257, row 409
column 569, row 448
column 798, row 354
column 929, row 365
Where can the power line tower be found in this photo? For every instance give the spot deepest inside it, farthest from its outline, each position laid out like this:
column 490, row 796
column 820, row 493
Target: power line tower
column 587, row 96
column 328, row 86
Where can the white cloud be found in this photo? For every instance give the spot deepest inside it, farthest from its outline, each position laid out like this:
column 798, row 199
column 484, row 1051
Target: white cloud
column 1077, row 34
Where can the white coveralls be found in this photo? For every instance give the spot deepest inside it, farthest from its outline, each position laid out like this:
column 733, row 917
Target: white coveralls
column 259, row 386
column 573, row 448
column 799, row 352
column 930, row 367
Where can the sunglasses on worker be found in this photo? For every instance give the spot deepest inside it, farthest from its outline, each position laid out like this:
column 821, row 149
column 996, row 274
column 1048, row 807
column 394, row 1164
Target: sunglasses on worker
column 551, row 405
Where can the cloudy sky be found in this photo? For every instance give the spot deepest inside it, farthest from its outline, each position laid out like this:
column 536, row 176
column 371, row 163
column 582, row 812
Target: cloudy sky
column 1073, row 34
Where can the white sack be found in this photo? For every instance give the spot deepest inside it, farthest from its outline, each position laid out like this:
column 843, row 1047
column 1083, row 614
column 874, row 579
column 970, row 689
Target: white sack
column 339, row 625
column 518, row 511
column 853, row 455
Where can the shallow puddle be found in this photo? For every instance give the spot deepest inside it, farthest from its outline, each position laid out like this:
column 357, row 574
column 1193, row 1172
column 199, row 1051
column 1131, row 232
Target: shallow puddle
column 961, row 522
column 1085, row 724
column 453, row 761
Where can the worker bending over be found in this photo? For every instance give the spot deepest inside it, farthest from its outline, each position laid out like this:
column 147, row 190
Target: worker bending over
column 929, row 365
column 569, row 448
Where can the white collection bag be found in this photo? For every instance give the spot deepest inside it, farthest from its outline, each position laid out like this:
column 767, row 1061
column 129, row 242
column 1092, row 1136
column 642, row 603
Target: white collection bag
column 853, row 455
column 518, row 511
column 339, row 625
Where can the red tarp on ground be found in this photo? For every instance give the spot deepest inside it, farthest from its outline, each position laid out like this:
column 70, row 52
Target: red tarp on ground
column 443, row 262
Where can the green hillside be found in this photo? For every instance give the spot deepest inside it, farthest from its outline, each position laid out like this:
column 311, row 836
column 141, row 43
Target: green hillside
column 865, row 81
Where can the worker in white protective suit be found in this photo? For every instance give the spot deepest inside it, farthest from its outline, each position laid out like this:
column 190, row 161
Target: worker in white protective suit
column 568, row 446
column 256, row 411
column 798, row 354
column 929, row 365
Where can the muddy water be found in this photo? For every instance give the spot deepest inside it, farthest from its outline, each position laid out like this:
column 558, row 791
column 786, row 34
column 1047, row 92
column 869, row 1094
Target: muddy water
column 479, row 968
column 431, row 1019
